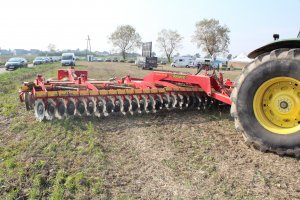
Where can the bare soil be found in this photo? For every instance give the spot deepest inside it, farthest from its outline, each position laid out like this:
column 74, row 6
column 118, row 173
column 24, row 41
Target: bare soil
column 190, row 155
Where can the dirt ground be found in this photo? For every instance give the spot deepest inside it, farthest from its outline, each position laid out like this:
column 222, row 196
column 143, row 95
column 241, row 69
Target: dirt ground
column 168, row 155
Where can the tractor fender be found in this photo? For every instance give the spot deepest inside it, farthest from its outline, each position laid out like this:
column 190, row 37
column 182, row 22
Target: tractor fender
column 279, row 44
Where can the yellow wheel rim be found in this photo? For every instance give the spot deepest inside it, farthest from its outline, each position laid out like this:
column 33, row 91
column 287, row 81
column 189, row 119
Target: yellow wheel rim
column 276, row 105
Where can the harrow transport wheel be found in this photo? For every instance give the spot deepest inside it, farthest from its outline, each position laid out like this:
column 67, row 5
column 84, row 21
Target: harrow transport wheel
column 39, row 109
column 266, row 102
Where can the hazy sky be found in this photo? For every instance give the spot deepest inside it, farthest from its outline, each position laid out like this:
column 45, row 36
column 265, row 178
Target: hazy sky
column 36, row 23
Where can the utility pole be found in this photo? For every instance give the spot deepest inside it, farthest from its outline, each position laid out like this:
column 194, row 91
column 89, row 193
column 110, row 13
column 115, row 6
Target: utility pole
column 88, row 45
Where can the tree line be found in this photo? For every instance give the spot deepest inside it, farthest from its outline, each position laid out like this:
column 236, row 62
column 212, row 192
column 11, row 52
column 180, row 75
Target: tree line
column 210, row 36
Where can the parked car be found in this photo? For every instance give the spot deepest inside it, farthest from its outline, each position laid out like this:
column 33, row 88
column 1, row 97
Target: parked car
column 107, row 60
column 47, row 60
column 14, row 63
column 115, row 60
column 38, row 61
column 54, row 58
column 121, row 60
column 130, row 61
column 98, row 60
column 68, row 59
column 50, row 59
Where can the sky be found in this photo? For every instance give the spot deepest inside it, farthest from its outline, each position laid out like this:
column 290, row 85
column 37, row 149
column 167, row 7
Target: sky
column 33, row 24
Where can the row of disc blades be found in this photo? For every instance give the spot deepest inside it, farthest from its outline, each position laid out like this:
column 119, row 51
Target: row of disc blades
column 51, row 108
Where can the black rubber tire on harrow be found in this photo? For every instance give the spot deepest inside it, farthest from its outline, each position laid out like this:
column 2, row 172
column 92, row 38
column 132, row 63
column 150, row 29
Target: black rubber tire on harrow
column 278, row 63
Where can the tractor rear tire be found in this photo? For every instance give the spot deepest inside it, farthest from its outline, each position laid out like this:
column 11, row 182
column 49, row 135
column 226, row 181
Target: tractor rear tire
column 266, row 102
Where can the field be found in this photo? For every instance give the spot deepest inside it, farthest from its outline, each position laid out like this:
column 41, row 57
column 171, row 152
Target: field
column 168, row 155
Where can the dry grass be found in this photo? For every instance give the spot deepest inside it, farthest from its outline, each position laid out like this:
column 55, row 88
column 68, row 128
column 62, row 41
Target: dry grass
column 168, row 155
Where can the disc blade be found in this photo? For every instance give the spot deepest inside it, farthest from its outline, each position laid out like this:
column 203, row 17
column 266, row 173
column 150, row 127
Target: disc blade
column 61, row 108
column 128, row 104
column 159, row 102
column 81, row 107
column 91, row 106
column 39, row 109
column 101, row 107
column 135, row 104
column 180, row 100
column 110, row 104
column 51, row 109
column 151, row 104
column 71, row 107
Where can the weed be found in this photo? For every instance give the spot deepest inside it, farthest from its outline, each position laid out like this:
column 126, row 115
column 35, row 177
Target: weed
column 10, row 163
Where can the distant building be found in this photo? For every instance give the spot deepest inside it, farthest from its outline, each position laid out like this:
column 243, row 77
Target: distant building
column 34, row 51
column 18, row 52
column 5, row 52
column 103, row 53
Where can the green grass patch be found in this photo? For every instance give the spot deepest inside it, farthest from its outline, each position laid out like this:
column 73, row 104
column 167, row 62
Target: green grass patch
column 52, row 160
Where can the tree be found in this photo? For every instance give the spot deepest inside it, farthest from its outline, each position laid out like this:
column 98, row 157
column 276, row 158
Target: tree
column 212, row 37
column 51, row 47
column 229, row 56
column 197, row 55
column 125, row 38
column 168, row 42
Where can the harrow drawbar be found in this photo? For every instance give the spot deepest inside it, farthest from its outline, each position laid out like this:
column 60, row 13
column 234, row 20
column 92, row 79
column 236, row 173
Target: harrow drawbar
column 72, row 94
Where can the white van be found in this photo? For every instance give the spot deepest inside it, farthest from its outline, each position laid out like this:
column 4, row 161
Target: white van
column 68, row 59
column 183, row 61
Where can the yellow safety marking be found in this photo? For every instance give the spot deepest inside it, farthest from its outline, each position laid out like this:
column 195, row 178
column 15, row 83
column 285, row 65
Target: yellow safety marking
column 41, row 94
column 129, row 91
column 197, row 89
column 73, row 93
column 168, row 89
column 147, row 91
column 112, row 92
column 138, row 91
column 92, row 92
column 103, row 92
column 84, row 93
column 161, row 90
column 179, row 76
column 120, row 91
column 154, row 90
column 63, row 93
column 52, row 93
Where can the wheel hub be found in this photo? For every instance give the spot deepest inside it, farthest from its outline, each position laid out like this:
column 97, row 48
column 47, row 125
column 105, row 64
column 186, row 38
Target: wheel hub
column 284, row 105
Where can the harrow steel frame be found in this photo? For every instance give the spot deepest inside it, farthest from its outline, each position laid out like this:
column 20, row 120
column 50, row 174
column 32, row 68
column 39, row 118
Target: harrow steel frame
column 72, row 93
